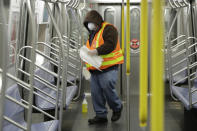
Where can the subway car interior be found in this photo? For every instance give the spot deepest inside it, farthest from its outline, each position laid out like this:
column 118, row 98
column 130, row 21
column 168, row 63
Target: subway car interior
column 44, row 82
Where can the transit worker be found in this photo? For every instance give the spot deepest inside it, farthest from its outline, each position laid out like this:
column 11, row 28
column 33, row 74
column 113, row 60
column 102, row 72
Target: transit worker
column 103, row 41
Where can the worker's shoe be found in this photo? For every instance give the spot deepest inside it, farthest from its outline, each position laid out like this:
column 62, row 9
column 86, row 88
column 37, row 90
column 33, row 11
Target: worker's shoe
column 116, row 115
column 97, row 120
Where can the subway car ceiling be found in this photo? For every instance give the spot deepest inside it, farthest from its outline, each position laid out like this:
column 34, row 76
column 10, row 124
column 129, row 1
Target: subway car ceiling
column 113, row 1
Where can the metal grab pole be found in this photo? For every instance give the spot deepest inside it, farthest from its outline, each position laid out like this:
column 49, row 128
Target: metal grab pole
column 58, row 73
column 128, row 65
column 4, row 43
column 143, row 64
column 157, row 68
column 123, row 46
column 78, row 46
column 64, row 64
column 169, row 53
column 122, row 28
column 32, row 66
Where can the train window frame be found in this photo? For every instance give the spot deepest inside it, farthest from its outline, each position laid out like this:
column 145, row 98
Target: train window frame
column 13, row 26
column 114, row 16
column 137, row 50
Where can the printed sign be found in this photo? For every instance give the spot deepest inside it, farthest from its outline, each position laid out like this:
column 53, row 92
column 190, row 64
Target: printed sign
column 135, row 45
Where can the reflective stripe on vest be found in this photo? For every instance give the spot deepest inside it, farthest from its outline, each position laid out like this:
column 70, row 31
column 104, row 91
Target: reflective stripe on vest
column 113, row 58
column 99, row 34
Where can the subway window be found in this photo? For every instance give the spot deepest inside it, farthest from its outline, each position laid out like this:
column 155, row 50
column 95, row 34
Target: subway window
column 109, row 15
column 135, row 30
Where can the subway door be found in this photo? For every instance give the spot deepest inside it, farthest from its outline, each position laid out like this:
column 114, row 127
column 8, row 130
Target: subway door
column 111, row 14
column 135, row 65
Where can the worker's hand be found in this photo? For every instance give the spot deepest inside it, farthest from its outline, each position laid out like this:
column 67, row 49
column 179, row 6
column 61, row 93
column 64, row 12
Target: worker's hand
column 86, row 73
column 92, row 52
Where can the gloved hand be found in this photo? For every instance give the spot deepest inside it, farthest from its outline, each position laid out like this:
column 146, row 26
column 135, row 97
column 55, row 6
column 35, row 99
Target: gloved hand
column 92, row 52
column 86, row 73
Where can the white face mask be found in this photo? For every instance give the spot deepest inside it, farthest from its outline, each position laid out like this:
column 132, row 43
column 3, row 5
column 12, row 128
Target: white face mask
column 91, row 26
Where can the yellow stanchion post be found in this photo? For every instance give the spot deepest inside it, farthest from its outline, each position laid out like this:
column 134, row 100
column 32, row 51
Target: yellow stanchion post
column 128, row 39
column 123, row 46
column 122, row 26
column 128, row 65
column 143, row 64
column 157, row 68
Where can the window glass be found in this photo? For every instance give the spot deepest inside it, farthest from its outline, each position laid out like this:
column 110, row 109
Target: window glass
column 109, row 15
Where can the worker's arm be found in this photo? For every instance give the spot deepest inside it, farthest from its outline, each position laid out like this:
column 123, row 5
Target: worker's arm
column 110, row 37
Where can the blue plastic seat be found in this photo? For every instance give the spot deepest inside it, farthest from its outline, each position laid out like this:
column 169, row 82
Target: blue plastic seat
column 180, row 76
column 183, row 95
column 16, row 113
column 44, row 126
column 43, row 104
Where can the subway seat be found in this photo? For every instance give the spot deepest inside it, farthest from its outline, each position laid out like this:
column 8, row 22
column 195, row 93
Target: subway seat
column 180, row 75
column 182, row 93
column 16, row 113
column 43, row 104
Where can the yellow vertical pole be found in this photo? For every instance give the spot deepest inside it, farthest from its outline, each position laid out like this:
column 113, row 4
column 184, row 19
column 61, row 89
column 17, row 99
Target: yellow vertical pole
column 128, row 39
column 157, row 66
column 143, row 63
column 122, row 26
column 128, row 65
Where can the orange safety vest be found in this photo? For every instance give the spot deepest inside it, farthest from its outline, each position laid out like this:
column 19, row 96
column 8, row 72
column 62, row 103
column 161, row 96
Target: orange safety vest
column 111, row 59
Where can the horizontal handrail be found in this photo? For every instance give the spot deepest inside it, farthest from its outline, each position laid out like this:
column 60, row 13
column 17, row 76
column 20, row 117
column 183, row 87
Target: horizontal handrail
column 17, row 102
column 35, row 93
column 179, row 53
column 192, row 45
column 179, row 44
column 47, row 57
column 46, row 83
column 15, row 123
column 176, row 73
column 180, row 80
column 48, row 45
column 178, row 38
column 176, row 64
column 38, row 109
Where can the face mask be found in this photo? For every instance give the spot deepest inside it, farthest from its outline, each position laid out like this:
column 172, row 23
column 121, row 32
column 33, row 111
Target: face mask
column 91, row 26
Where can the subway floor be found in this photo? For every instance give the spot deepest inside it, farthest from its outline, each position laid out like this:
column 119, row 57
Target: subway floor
column 75, row 120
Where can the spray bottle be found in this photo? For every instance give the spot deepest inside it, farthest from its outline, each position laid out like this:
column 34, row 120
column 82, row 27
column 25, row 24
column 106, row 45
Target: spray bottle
column 84, row 105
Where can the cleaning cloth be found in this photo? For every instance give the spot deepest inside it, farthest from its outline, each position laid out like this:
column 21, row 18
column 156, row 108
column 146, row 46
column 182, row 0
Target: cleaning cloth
column 93, row 60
